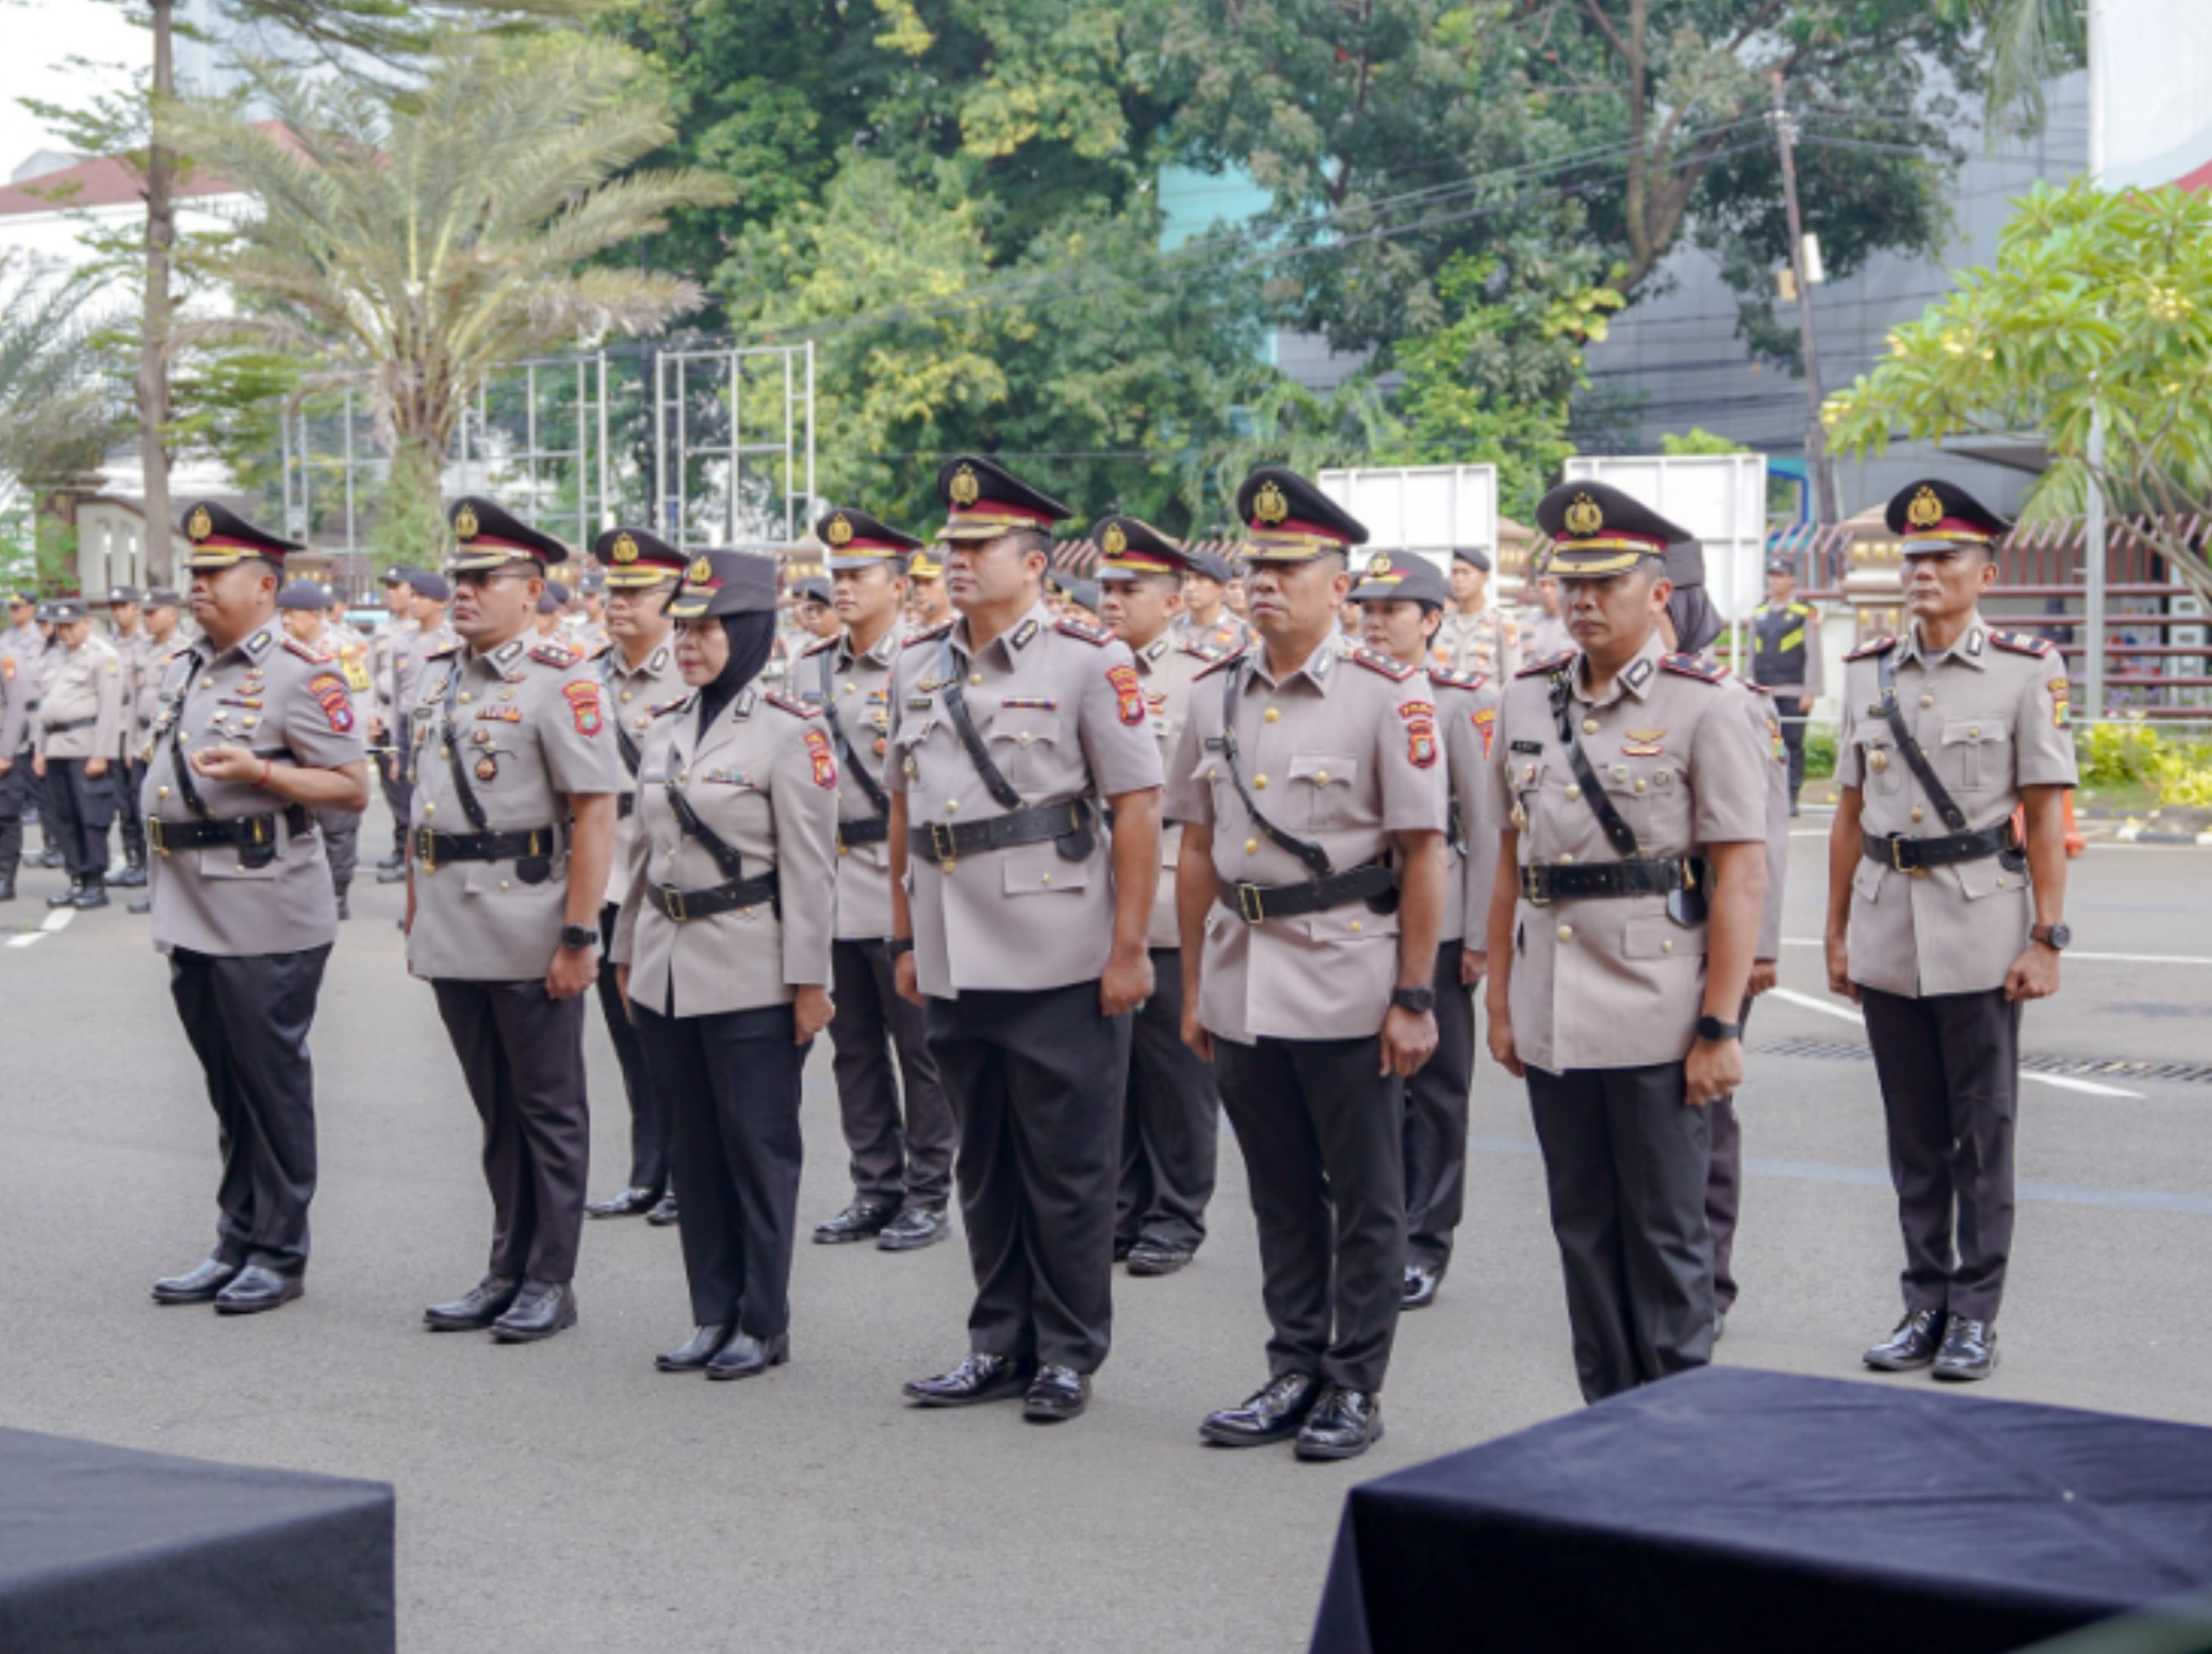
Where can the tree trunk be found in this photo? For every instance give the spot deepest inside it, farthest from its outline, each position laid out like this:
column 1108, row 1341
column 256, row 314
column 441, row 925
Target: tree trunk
column 153, row 382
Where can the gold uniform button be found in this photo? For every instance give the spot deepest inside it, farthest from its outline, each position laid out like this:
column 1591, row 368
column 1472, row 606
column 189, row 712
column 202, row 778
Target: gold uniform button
column 1641, row 783
column 849, row 689
column 1322, row 777
column 1927, row 700
column 1259, row 783
column 1918, row 814
column 1974, row 732
column 625, row 696
column 1355, row 927
column 1022, row 739
column 952, row 807
column 2000, row 885
column 1589, row 726
column 1567, row 859
column 465, row 697
column 1667, row 945
column 429, row 809
column 976, row 679
column 1566, row 932
column 1573, row 791
column 1251, row 845
column 1044, row 878
column 160, row 792
column 1274, row 714
column 504, row 886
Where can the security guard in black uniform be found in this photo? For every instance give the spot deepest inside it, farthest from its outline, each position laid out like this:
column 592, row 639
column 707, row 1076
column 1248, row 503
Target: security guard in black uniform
column 1785, row 662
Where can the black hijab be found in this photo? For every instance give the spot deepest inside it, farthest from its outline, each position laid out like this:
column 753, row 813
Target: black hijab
column 752, row 637
column 1697, row 623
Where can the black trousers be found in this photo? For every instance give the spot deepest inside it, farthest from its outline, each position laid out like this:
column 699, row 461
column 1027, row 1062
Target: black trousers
column 1036, row 1080
column 649, row 1123
column 341, row 831
column 731, row 1085
column 901, row 1155
column 1625, row 1159
column 522, row 1055
column 247, row 1019
column 1321, row 1132
column 1171, row 1121
column 1949, row 1067
column 1792, row 732
column 80, row 808
column 1724, row 1185
column 392, row 777
column 1436, row 1121
column 127, row 773
column 16, row 803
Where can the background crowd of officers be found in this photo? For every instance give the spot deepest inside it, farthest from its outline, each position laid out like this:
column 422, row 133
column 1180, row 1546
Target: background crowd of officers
column 1064, row 868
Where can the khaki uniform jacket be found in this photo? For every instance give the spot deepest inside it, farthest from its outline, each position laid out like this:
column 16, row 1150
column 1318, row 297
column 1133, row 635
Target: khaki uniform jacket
column 1467, row 710
column 18, row 689
column 1167, row 668
column 1341, row 752
column 1226, row 637
column 632, row 698
column 133, row 650
column 1766, row 724
column 144, row 694
column 1544, row 636
column 85, row 690
column 861, row 687
column 764, row 777
column 1489, row 644
column 529, row 721
column 1992, row 713
column 1613, row 982
column 1061, row 710
column 281, row 700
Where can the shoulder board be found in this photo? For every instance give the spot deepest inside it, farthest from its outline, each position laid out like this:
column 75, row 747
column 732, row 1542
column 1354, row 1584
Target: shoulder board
column 797, row 708
column 817, row 646
column 1878, row 646
column 1397, row 671
column 1216, row 663
column 1198, row 651
column 667, row 706
column 2022, row 643
column 309, row 652
column 1755, row 688
column 931, row 635
column 1689, row 665
column 601, row 650
column 1550, row 663
column 1097, row 636
column 555, row 654
column 1445, row 678
column 447, row 653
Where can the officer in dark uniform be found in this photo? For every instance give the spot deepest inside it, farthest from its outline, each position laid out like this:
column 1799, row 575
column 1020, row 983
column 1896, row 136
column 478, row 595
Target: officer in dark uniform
column 1786, row 662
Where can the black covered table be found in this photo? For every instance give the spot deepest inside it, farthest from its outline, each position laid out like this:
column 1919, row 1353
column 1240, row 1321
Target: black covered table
column 106, row 1551
column 1730, row 1509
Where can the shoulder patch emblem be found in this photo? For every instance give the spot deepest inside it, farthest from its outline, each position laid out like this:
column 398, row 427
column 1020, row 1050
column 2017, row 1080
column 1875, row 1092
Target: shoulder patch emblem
column 1097, row 636
column 1129, row 693
column 2022, row 643
column 819, row 753
column 555, row 654
column 1216, row 664
column 330, row 692
column 583, row 699
column 1550, row 663
column 1397, row 671
column 797, row 708
column 1485, row 720
column 1872, row 647
column 1689, row 665
column 1420, row 719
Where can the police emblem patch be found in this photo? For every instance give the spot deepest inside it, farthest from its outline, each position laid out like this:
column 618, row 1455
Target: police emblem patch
column 583, row 706
column 1129, row 693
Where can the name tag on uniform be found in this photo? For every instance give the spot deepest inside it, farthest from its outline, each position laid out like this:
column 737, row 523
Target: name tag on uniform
column 500, row 714
column 1213, row 743
column 918, row 703
column 1528, row 746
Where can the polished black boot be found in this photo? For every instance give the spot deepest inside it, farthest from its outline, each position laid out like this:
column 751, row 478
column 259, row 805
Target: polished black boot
column 663, row 1215
column 745, row 1356
column 540, row 1309
column 92, row 894
column 1273, row 1412
column 475, row 1309
column 913, row 1229
column 859, row 1221
column 1158, row 1257
column 1969, row 1352
column 1419, row 1291
column 1344, row 1424
column 978, row 1378
column 195, row 1285
column 695, row 1352
column 630, row 1203
column 256, row 1289
column 66, row 899
column 1912, row 1345
column 1056, row 1394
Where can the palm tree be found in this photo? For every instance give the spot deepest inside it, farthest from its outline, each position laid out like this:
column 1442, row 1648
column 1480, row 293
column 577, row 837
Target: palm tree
column 2029, row 42
column 412, row 244
column 60, row 411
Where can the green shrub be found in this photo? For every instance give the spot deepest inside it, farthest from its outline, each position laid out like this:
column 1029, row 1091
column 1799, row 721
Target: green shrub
column 1820, row 751
column 2131, row 752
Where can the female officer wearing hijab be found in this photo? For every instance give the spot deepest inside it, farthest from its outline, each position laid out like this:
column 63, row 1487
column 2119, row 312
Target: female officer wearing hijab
column 722, row 950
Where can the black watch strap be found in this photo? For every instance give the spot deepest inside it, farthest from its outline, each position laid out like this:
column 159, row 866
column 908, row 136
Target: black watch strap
column 1712, row 1028
column 1418, row 1000
column 579, row 937
column 899, row 944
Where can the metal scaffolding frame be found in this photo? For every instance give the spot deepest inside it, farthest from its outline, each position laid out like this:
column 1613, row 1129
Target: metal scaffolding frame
column 484, row 466
column 747, row 510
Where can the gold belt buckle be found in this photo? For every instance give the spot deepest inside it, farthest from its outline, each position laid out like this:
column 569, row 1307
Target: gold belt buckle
column 671, row 903
column 1251, row 906
column 1897, row 853
column 941, row 841
column 1532, row 883
column 153, row 835
column 426, row 849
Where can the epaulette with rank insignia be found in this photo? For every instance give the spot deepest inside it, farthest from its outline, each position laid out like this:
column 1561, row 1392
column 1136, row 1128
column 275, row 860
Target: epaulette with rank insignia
column 1689, row 665
column 797, row 708
column 310, row 654
column 450, row 650
column 1756, row 688
column 1549, row 664
column 1217, row 663
column 1446, row 676
column 667, row 706
column 1872, row 646
column 2022, row 643
column 816, row 646
column 1197, row 651
column 555, row 654
column 1397, row 671
column 931, row 635
column 1097, row 636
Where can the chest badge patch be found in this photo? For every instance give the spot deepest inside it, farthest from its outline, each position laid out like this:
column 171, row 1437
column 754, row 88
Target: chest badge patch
column 1484, row 719
column 583, row 699
column 1129, row 693
column 824, row 761
column 1643, row 743
column 330, row 692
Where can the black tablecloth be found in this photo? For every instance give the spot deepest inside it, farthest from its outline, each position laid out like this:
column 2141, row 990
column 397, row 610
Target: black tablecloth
column 1731, row 1509
column 106, row 1551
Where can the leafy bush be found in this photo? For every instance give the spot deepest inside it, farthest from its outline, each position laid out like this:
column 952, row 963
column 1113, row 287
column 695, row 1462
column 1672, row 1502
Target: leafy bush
column 2129, row 752
column 1820, row 751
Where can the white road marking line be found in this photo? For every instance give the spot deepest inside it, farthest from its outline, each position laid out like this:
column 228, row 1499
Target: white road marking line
column 58, row 918
column 2063, row 1082
column 27, row 938
column 2073, row 955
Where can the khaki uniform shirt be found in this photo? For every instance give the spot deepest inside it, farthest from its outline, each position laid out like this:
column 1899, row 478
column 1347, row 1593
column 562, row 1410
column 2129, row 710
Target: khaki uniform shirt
column 1488, row 643
column 1543, row 635
column 144, row 694
column 764, row 778
column 1167, row 668
column 632, row 697
column 282, row 700
column 132, row 650
column 19, row 690
column 860, row 688
column 1060, row 709
column 383, row 661
column 1766, row 724
column 1613, row 982
column 1226, row 637
column 531, row 722
column 1341, row 752
column 1466, row 711
column 86, row 689
column 1992, row 713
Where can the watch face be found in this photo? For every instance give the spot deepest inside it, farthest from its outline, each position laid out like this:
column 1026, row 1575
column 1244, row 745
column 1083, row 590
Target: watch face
column 2061, row 935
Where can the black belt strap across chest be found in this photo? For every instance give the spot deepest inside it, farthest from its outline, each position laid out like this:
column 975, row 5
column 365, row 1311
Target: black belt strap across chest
column 1885, row 669
column 456, row 761
column 1618, row 833
column 1311, row 855
column 736, row 890
column 878, row 800
column 942, row 843
column 1681, row 879
column 631, row 756
column 963, row 726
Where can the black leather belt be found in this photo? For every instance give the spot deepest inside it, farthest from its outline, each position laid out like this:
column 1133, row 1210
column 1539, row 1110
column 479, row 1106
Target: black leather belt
column 68, row 724
column 247, row 832
column 944, row 842
column 1913, row 854
column 863, row 830
column 1543, row 883
column 682, row 906
column 434, row 850
column 1254, row 903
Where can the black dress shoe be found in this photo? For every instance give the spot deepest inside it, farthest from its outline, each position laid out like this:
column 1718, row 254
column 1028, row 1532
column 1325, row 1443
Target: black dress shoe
column 140, row 905
column 257, row 1289
column 1912, row 1345
column 49, row 857
column 1344, row 1424
column 391, row 875
column 627, row 1204
column 745, row 1356
column 1271, row 1413
column 915, row 1227
column 978, row 1378
column 195, row 1285
column 132, row 878
column 857, row 1222
column 540, row 1309
column 1151, row 1257
column 1422, row 1281
column 93, row 895
column 1056, row 1394
column 386, row 864
column 704, row 1344
column 1969, row 1352
column 66, row 899
column 664, row 1211
column 7, row 888
column 475, row 1309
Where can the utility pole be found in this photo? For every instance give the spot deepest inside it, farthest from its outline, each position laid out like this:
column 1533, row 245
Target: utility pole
column 2094, row 554
column 152, row 387
column 1816, row 435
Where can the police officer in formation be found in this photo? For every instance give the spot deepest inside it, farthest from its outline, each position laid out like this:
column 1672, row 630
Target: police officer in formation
column 1631, row 875
column 164, row 642
column 20, row 648
column 79, row 729
column 1171, row 1112
column 515, row 781
column 387, row 730
column 257, row 739
column 1543, row 626
column 928, row 604
column 1013, row 735
column 723, row 947
column 129, row 638
column 1472, row 637
column 639, row 674
column 303, row 606
column 1941, row 922
column 897, row 1124
column 1787, row 661
column 1207, row 620
column 1401, row 602
column 1309, row 892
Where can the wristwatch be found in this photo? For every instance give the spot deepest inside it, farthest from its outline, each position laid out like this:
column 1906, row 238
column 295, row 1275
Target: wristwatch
column 1418, row 1000
column 2057, row 938
column 1710, row 1027
column 577, row 938
column 899, row 944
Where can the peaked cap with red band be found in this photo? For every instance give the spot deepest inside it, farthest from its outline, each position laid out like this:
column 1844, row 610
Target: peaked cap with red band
column 492, row 537
column 1287, row 519
column 984, row 500
column 851, row 539
column 726, row 583
column 1129, row 547
column 1596, row 530
column 220, row 538
column 1934, row 516
column 633, row 557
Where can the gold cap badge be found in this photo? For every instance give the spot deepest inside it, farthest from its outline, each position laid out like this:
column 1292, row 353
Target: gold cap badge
column 841, row 531
column 701, row 572
column 1378, row 565
column 625, row 549
column 1924, row 510
column 1269, row 505
column 1584, row 516
column 966, row 490
column 201, row 525
column 1113, row 542
column 465, row 525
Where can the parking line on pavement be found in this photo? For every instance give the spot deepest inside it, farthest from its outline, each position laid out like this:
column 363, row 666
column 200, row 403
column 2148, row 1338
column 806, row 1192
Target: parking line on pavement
column 2063, row 1082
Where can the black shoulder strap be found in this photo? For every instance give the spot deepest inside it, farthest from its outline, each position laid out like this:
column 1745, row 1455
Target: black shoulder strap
column 1946, row 807
column 1314, row 858
column 955, row 706
column 878, row 800
column 456, row 760
column 187, row 789
column 724, row 854
column 1618, row 833
column 632, row 758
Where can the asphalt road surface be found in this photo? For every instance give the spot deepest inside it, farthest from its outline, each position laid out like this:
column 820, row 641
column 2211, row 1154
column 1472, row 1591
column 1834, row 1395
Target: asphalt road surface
column 568, row 1496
